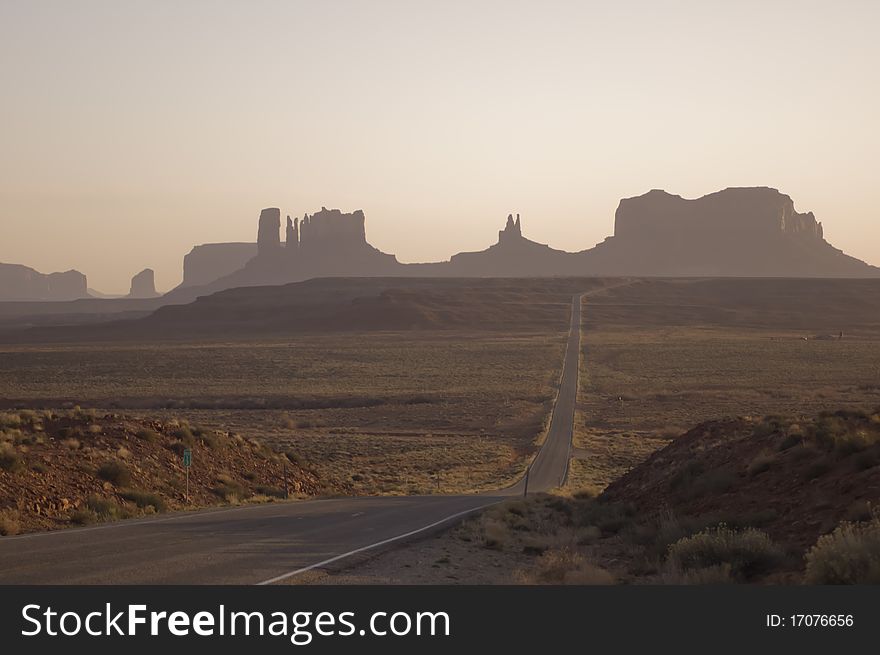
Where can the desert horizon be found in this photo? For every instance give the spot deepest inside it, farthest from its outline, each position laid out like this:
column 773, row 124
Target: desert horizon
column 134, row 135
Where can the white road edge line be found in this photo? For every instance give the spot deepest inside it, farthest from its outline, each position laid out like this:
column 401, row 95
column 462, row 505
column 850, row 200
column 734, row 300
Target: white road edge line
column 332, row 560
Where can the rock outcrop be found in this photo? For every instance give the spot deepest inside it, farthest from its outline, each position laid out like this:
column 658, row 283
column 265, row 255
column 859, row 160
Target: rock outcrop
column 751, row 232
column 748, row 213
column 143, row 285
column 512, row 230
column 268, row 232
column 330, row 227
column 328, row 243
column 19, row 282
column 512, row 256
column 209, row 262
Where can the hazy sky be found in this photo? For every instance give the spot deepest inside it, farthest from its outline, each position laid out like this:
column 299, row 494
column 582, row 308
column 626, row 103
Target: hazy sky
column 130, row 131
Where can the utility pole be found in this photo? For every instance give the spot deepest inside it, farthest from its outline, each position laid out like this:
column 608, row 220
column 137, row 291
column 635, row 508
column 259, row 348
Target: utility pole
column 286, row 488
column 526, row 486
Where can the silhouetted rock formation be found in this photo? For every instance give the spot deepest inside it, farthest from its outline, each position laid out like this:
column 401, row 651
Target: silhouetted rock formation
column 292, row 233
column 211, row 261
column 753, row 232
column 268, row 239
column 512, row 230
column 327, row 243
column 330, row 227
column 143, row 285
column 22, row 283
column 512, row 256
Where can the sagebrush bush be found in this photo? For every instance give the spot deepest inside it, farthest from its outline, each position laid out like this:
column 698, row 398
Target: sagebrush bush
column 761, row 463
column 10, row 459
column 71, row 443
column 184, row 435
column 115, row 472
column 9, row 420
column 150, row 436
column 849, row 555
column 10, row 522
column 749, row 552
column 565, row 566
column 271, row 492
column 494, row 535
column 229, row 489
column 103, row 508
column 144, row 499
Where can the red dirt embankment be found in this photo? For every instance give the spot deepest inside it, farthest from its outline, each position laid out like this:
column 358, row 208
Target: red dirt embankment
column 793, row 477
column 75, row 468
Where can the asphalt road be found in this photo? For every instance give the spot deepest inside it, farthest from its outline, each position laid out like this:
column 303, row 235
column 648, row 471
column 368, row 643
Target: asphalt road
column 265, row 544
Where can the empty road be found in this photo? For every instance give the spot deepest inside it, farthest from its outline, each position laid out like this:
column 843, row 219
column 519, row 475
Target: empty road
column 265, row 544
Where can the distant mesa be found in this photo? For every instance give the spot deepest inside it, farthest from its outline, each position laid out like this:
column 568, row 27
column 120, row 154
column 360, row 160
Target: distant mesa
column 737, row 232
column 19, row 282
column 328, row 243
column 211, row 261
column 143, row 285
column 751, row 232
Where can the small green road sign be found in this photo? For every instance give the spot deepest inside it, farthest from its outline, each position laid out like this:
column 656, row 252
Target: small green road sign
column 187, row 458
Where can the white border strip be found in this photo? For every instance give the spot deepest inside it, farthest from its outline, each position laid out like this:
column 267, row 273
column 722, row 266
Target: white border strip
column 326, row 562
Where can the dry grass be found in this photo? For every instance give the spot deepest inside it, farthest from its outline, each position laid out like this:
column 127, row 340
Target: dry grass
column 642, row 387
column 849, row 555
column 377, row 413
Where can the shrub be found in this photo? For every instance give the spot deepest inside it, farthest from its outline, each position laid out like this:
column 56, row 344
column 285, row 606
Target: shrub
column 9, row 420
column 177, row 447
column 115, row 472
column 39, row 467
column 852, row 442
column 212, row 440
column 9, row 522
column 566, row 566
column 849, row 555
column 83, row 517
column 229, row 489
column 103, row 508
column 144, row 499
column 184, row 434
column 71, row 433
column 10, row 460
column 494, row 535
column 762, row 462
column 71, row 443
column 749, row 552
column 272, row 492
column 790, row 441
column 150, row 436
column 827, row 430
